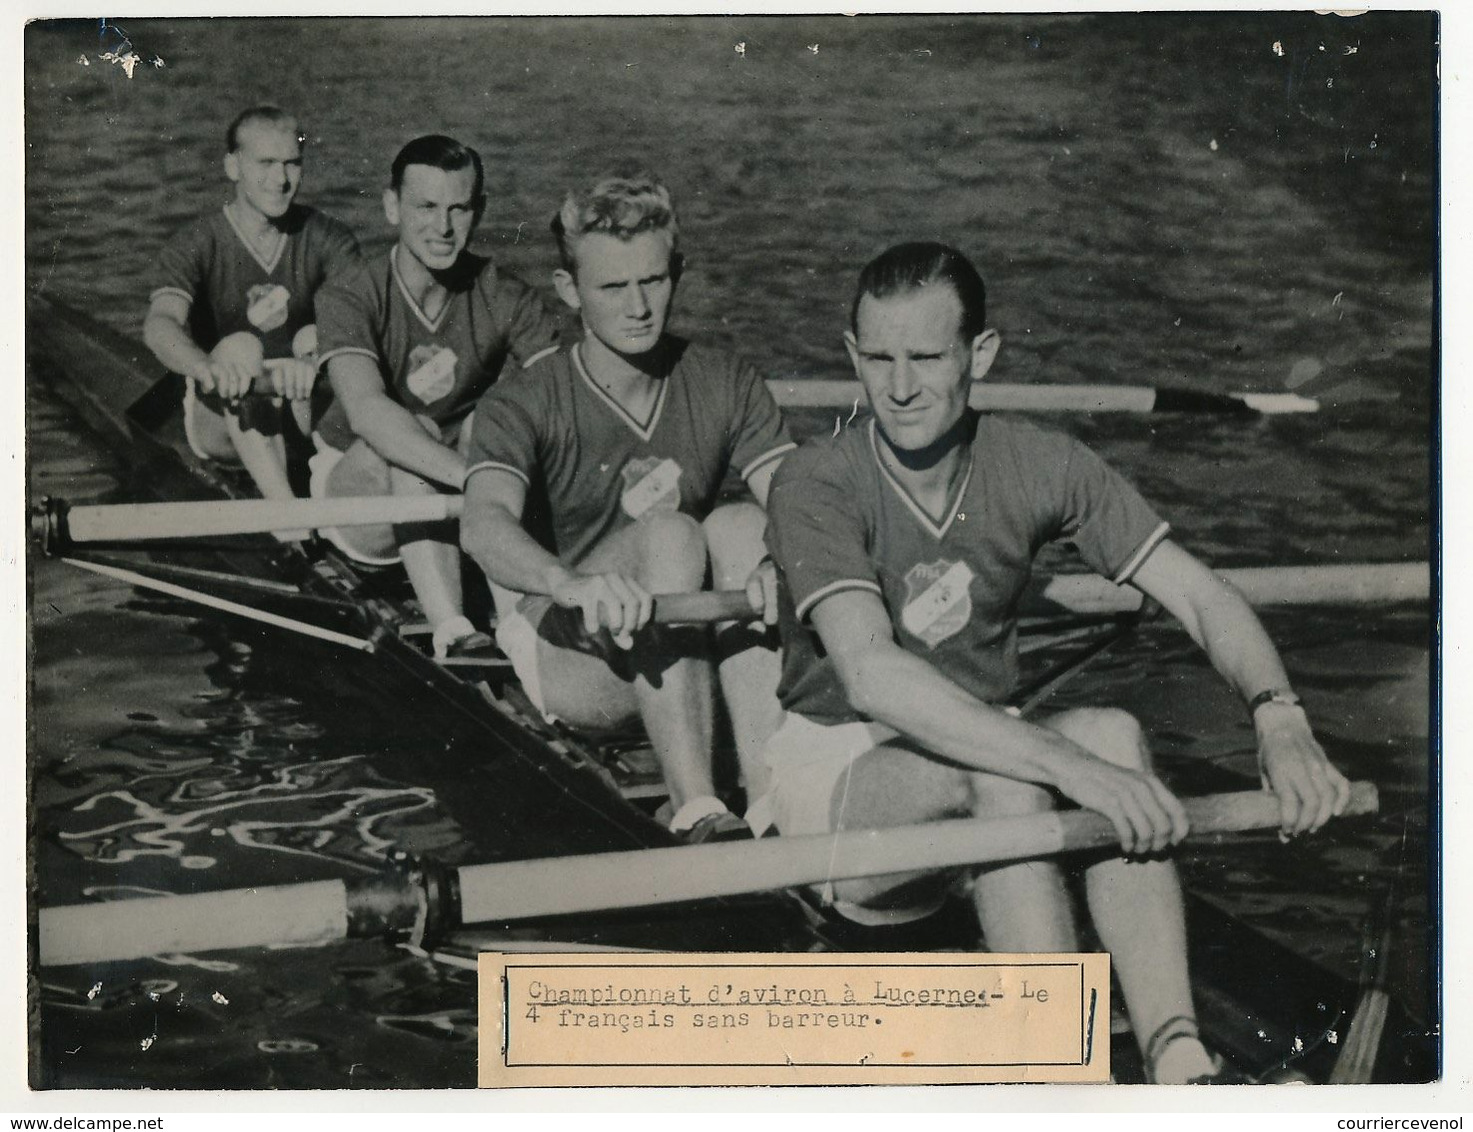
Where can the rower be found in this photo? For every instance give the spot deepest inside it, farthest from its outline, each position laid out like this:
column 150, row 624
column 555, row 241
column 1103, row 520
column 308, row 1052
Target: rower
column 614, row 450
column 411, row 340
column 904, row 544
column 233, row 308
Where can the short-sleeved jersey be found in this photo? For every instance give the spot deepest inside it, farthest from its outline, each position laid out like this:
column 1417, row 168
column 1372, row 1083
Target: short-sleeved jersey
column 838, row 520
column 598, row 469
column 230, row 286
column 435, row 367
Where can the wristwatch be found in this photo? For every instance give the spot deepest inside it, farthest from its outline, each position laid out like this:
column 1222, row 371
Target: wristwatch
column 1273, row 696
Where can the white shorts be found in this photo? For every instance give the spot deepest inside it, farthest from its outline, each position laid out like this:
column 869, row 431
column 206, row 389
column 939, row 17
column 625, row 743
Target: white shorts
column 807, row 761
column 191, row 404
column 516, row 636
column 810, row 765
column 320, row 465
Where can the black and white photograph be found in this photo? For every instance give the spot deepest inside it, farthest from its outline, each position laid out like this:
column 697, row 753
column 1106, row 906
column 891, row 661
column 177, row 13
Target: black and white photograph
column 460, row 449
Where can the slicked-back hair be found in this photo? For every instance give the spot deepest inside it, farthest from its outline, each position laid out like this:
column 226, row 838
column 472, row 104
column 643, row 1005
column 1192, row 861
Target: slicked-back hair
column 265, row 115
column 438, row 152
column 621, row 204
column 911, row 267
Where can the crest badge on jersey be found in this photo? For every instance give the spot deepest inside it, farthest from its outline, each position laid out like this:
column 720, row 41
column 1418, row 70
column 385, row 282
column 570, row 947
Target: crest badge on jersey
column 431, row 372
column 266, row 305
column 938, row 600
column 650, row 484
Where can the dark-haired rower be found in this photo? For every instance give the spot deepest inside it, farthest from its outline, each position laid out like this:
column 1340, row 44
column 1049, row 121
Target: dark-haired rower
column 233, row 308
column 904, row 544
column 411, row 340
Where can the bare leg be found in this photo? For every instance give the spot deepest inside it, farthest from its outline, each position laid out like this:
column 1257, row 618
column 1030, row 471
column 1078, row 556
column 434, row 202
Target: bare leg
column 677, row 708
column 432, row 561
column 583, row 691
column 264, row 458
column 302, row 411
column 361, row 471
column 749, row 670
column 429, row 551
column 220, row 436
column 208, row 434
column 665, row 553
column 893, row 785
column 1137, row 911
column 1022, row 906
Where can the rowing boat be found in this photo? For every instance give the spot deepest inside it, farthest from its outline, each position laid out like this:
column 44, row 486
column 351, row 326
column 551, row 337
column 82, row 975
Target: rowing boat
column 560, row 795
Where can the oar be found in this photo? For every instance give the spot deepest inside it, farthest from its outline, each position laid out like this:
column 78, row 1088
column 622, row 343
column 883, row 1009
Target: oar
column 57, row 525
column 1347, row 583
column 1031, row 694
column 1310, row 377
column 212, row 601
column 161, row 400
column 1002, row 397
column 1356, row 1064
column 321, row 911
column 669, row 609
column 1089, row 594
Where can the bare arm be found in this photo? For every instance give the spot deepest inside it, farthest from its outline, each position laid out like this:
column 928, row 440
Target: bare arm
column 759, row 483
column 761, row 584
column 389, row 428
column 892, row 686
column 491, row 532
column 166, row 333
column 1310, row 790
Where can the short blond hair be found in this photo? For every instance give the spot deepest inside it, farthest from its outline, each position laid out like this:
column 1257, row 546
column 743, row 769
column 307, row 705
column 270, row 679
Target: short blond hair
column 621, row 204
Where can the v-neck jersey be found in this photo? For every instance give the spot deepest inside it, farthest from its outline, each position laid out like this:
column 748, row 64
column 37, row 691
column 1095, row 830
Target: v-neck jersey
column 839, row 520
column 435, row 367
column 936, row 525
column 592, row 468
column 644, row 429
column 266, row 260
column 231, row 285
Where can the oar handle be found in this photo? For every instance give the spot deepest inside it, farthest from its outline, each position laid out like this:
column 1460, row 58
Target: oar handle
column 704, row 606
column 264, row 387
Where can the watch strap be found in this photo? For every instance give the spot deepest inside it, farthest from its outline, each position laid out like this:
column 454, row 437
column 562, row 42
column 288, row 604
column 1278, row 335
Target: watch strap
column 1273, row 696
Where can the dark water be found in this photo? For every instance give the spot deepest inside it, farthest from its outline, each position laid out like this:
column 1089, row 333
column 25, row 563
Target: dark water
column 1152, row 200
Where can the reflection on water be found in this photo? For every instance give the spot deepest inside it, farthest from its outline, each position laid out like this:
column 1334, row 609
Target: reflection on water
column 156, row 770
column 1216, row 217
column 316, row 810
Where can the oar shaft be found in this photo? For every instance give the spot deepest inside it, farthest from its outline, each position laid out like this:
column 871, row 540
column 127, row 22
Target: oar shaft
column 225, row 605
column 990, row 396
column 1347, row 584
column 604, row 882
column 1362, row 583
column 137, row 522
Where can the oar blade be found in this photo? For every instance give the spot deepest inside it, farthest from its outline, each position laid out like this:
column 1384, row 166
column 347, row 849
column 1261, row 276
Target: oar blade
column 163, row 925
